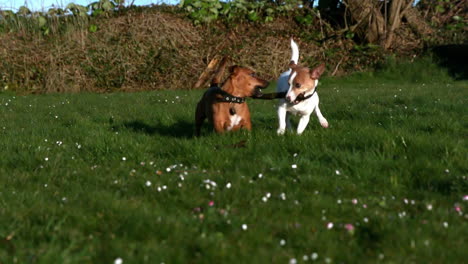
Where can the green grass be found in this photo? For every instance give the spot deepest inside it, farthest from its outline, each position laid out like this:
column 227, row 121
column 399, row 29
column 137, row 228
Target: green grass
column 74, row 171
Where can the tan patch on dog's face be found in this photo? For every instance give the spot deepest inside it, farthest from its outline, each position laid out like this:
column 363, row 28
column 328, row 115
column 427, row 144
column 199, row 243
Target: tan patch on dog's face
column 247, row 81
column 302, row 80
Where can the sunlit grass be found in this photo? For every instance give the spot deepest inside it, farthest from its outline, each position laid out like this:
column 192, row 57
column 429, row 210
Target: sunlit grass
column 90, row 178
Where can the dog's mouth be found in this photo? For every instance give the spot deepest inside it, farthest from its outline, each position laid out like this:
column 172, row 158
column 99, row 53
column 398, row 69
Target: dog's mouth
column 258, row 91
column 301, row 97
column 295, row 102
column 298, row 99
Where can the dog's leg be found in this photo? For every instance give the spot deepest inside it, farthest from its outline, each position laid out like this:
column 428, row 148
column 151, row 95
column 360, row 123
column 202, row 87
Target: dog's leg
column 281, row 119
column 321, row 119
column 199, row 118
column 303, row 121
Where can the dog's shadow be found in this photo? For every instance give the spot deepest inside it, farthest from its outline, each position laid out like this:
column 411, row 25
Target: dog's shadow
column 180, row 129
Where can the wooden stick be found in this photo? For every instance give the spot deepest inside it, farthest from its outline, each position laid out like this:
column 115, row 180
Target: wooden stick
column 216, row 81
column 207, row 73
column 337, row 65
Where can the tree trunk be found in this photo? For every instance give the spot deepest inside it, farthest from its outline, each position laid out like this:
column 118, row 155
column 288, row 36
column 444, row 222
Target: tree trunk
column 393, row 23
column 366, row 14
column 417, row 22
column 380, row 28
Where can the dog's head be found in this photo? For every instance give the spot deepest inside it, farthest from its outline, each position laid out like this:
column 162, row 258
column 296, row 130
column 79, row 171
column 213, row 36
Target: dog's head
column 246, row 82
column 302, row 80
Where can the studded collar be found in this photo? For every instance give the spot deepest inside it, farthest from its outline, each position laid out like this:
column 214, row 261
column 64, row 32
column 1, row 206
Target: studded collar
column 227, row 97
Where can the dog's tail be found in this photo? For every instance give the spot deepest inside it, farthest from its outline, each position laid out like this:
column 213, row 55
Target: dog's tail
column 295, row 52
column 216, row 81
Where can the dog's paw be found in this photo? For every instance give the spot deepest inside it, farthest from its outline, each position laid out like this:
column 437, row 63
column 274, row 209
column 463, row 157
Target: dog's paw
column 280, row 131
column 324, row 123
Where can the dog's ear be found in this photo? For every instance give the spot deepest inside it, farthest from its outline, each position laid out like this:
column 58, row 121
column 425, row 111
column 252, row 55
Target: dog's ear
column 292, row 65
column 315, row 73
column 234, row 69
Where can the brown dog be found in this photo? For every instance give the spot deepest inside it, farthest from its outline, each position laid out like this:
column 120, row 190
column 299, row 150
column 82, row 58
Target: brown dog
column 225, row 107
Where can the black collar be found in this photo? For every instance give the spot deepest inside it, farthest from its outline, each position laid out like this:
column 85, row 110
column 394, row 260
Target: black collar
column 227, row 97
column 301, row 96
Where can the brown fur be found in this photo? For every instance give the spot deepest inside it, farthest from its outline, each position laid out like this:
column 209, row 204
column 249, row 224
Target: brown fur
column 241, row 82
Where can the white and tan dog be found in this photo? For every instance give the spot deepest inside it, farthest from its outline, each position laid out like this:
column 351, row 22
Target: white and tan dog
column 299, row 84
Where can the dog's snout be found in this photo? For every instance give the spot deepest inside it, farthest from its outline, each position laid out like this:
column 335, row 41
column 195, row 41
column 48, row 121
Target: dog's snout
column 288, row 98
column 257, row 92
column 263, row 84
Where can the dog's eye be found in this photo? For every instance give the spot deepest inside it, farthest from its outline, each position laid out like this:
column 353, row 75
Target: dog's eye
column 253, row 74
column 297, row 85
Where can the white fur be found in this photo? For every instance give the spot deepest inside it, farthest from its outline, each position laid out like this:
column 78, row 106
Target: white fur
column 290, row 93
column 304, row 109
column 295, row 52
column 235, row 120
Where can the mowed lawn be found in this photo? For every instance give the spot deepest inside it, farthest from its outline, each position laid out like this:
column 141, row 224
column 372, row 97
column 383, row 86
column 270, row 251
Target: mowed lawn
column 119, row 178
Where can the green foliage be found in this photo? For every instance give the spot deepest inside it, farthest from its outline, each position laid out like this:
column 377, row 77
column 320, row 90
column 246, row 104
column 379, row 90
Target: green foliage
column 77, row 10
column 205, row 11
column 102, row 7
column 349, row 35
column 456, row 22
column 450, row 19
column 306, row 19
column 23, row 11
column 93, row 28
column 90, row 178
column 55, row 19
